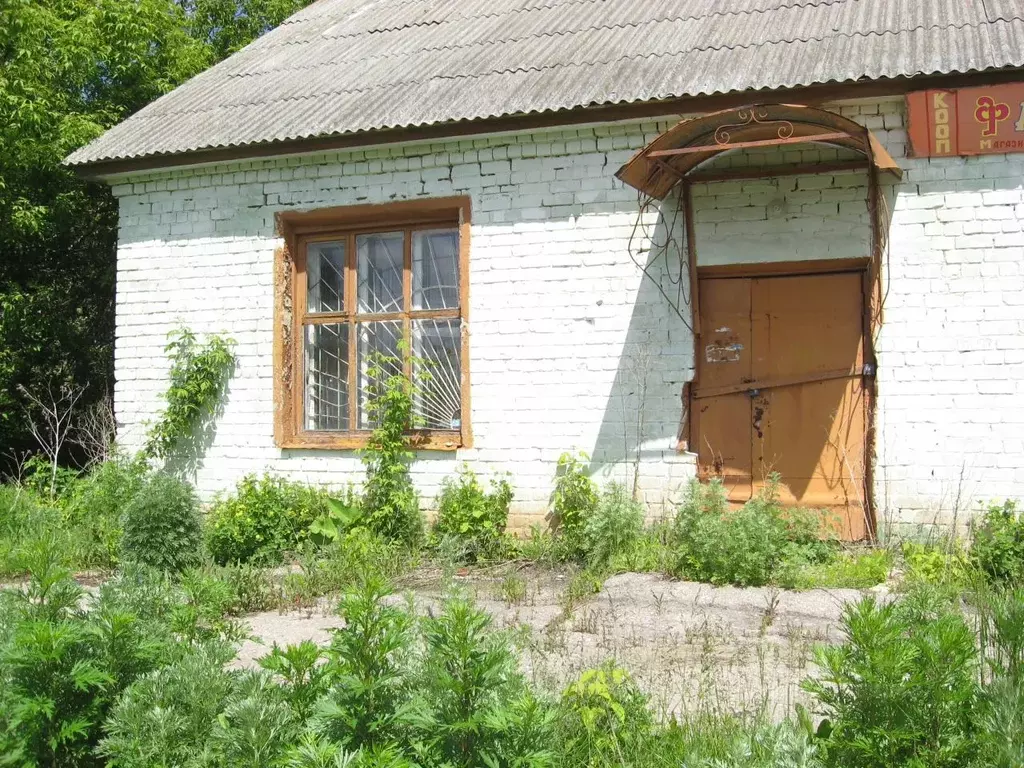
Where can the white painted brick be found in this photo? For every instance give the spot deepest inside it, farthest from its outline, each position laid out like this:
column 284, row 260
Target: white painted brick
column 557, row 301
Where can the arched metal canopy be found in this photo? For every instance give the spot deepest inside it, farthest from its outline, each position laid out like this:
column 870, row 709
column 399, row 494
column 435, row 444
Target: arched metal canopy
column 667, row 160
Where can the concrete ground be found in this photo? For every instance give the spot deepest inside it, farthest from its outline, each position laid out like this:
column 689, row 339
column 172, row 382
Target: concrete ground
column 690, row 646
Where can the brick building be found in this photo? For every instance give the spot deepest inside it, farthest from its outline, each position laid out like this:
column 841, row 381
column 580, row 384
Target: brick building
column 600, row 226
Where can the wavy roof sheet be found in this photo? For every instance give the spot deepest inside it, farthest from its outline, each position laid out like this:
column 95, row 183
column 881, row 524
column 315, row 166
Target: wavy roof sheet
column 349, row 66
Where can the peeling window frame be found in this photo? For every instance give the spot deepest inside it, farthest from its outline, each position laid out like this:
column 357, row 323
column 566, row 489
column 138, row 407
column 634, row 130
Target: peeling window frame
column 344, row 224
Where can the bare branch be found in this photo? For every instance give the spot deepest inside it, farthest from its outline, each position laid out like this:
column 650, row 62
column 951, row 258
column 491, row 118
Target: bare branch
column 51, row 420
column 96, row 430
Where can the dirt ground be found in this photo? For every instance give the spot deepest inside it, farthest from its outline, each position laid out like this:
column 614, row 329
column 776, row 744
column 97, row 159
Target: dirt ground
column 692, row 647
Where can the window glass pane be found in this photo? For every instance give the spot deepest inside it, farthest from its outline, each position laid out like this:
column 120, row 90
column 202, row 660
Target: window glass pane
column 381, row 259
column 325, row 277
column 379, row 349
column 437, row 369
column 326, row 392
column 435, row 269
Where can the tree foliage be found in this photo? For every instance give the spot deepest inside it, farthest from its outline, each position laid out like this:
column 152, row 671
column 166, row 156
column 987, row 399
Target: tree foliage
column 70, row 69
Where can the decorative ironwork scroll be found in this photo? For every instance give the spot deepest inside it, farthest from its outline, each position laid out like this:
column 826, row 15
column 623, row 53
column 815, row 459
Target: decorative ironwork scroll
column 756, row 115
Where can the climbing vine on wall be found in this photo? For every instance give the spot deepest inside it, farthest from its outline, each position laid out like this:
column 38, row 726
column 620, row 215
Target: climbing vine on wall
column 199, row 376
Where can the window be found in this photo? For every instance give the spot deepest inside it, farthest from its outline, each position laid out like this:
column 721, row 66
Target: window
column 372, row 287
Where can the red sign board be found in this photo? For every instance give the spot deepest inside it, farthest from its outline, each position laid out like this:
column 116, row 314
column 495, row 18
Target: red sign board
column 967, row 121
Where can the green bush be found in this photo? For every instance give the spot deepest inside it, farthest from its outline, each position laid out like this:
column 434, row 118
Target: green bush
column 23, row 516
column 604, row 720
column 63, row 665
column 997, row 547
column 262, row 520
column 942, row 562
column 614, row 527
column 903, row 690
column 475, row 517
column 575, row 497
column 473, row 707
column 368, row 667
column 162, row 528
column 166, row 717
column 748, row 546
column 96, row 506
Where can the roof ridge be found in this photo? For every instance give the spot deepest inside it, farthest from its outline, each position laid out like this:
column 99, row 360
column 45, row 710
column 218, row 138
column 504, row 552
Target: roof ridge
column 485, row 43
column 543, row 68
column 782, row 4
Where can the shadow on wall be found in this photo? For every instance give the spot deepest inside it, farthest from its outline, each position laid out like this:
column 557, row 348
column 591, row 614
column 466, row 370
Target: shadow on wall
column 637, row 442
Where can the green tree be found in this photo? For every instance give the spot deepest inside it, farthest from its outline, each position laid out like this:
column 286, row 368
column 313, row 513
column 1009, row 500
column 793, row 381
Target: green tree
column 70, row 69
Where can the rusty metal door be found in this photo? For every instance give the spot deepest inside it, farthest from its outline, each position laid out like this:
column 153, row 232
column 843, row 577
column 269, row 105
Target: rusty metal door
column 780, row 388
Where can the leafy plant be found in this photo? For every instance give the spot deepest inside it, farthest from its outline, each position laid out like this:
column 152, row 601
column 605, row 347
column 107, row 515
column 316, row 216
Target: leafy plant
column 470, row 676
column 367, row 669
column 198, row 378
column 162, row 528
column 945, row 563
column 202, row 612
column 252, row 589
column 575, row 496
column 746, row 546
column 262, row 520
column 902, row 690
column 475, row 517
column 604, row 720
column 299, row 668
column 997, row 547
column 512, row 589
column 852, row 570
column 613, row 527
column 95, row 510
column 164, row 719
column 23, row 517
column 390, row 501
column 342, row 515
column 63, row 664
column 256, row 725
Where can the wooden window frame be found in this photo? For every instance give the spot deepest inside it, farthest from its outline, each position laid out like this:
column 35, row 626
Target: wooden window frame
column 298, row 230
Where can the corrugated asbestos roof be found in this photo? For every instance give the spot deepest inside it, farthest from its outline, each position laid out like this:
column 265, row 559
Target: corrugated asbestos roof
column 345, row 66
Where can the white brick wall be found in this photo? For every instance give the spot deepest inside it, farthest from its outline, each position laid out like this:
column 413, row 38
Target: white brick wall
column 562, row 319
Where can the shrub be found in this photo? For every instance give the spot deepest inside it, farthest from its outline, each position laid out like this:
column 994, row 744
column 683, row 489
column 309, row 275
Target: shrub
column 63, row 665
column 162, row 528
column 712, row 544
column 604, row 720
column 472, row 697
column 262, row 520
column 368, row 664
column 475, row 517
column 903, row 689
column 23, row 516
column 256, row 725
column 390, row 502
column 997, row 547
column 96, row 507
column 166, row 718
column 746, row 546
column 613, row 527
column 575, row 496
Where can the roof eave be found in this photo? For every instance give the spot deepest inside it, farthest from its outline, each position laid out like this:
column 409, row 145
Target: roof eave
column 809, row 95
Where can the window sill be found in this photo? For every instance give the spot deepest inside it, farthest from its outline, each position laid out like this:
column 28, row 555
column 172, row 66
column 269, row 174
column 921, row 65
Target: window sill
column 342, row 441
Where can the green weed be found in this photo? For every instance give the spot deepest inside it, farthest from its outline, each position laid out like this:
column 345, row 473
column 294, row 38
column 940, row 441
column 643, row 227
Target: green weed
column 475, row 517
column 162, row 528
